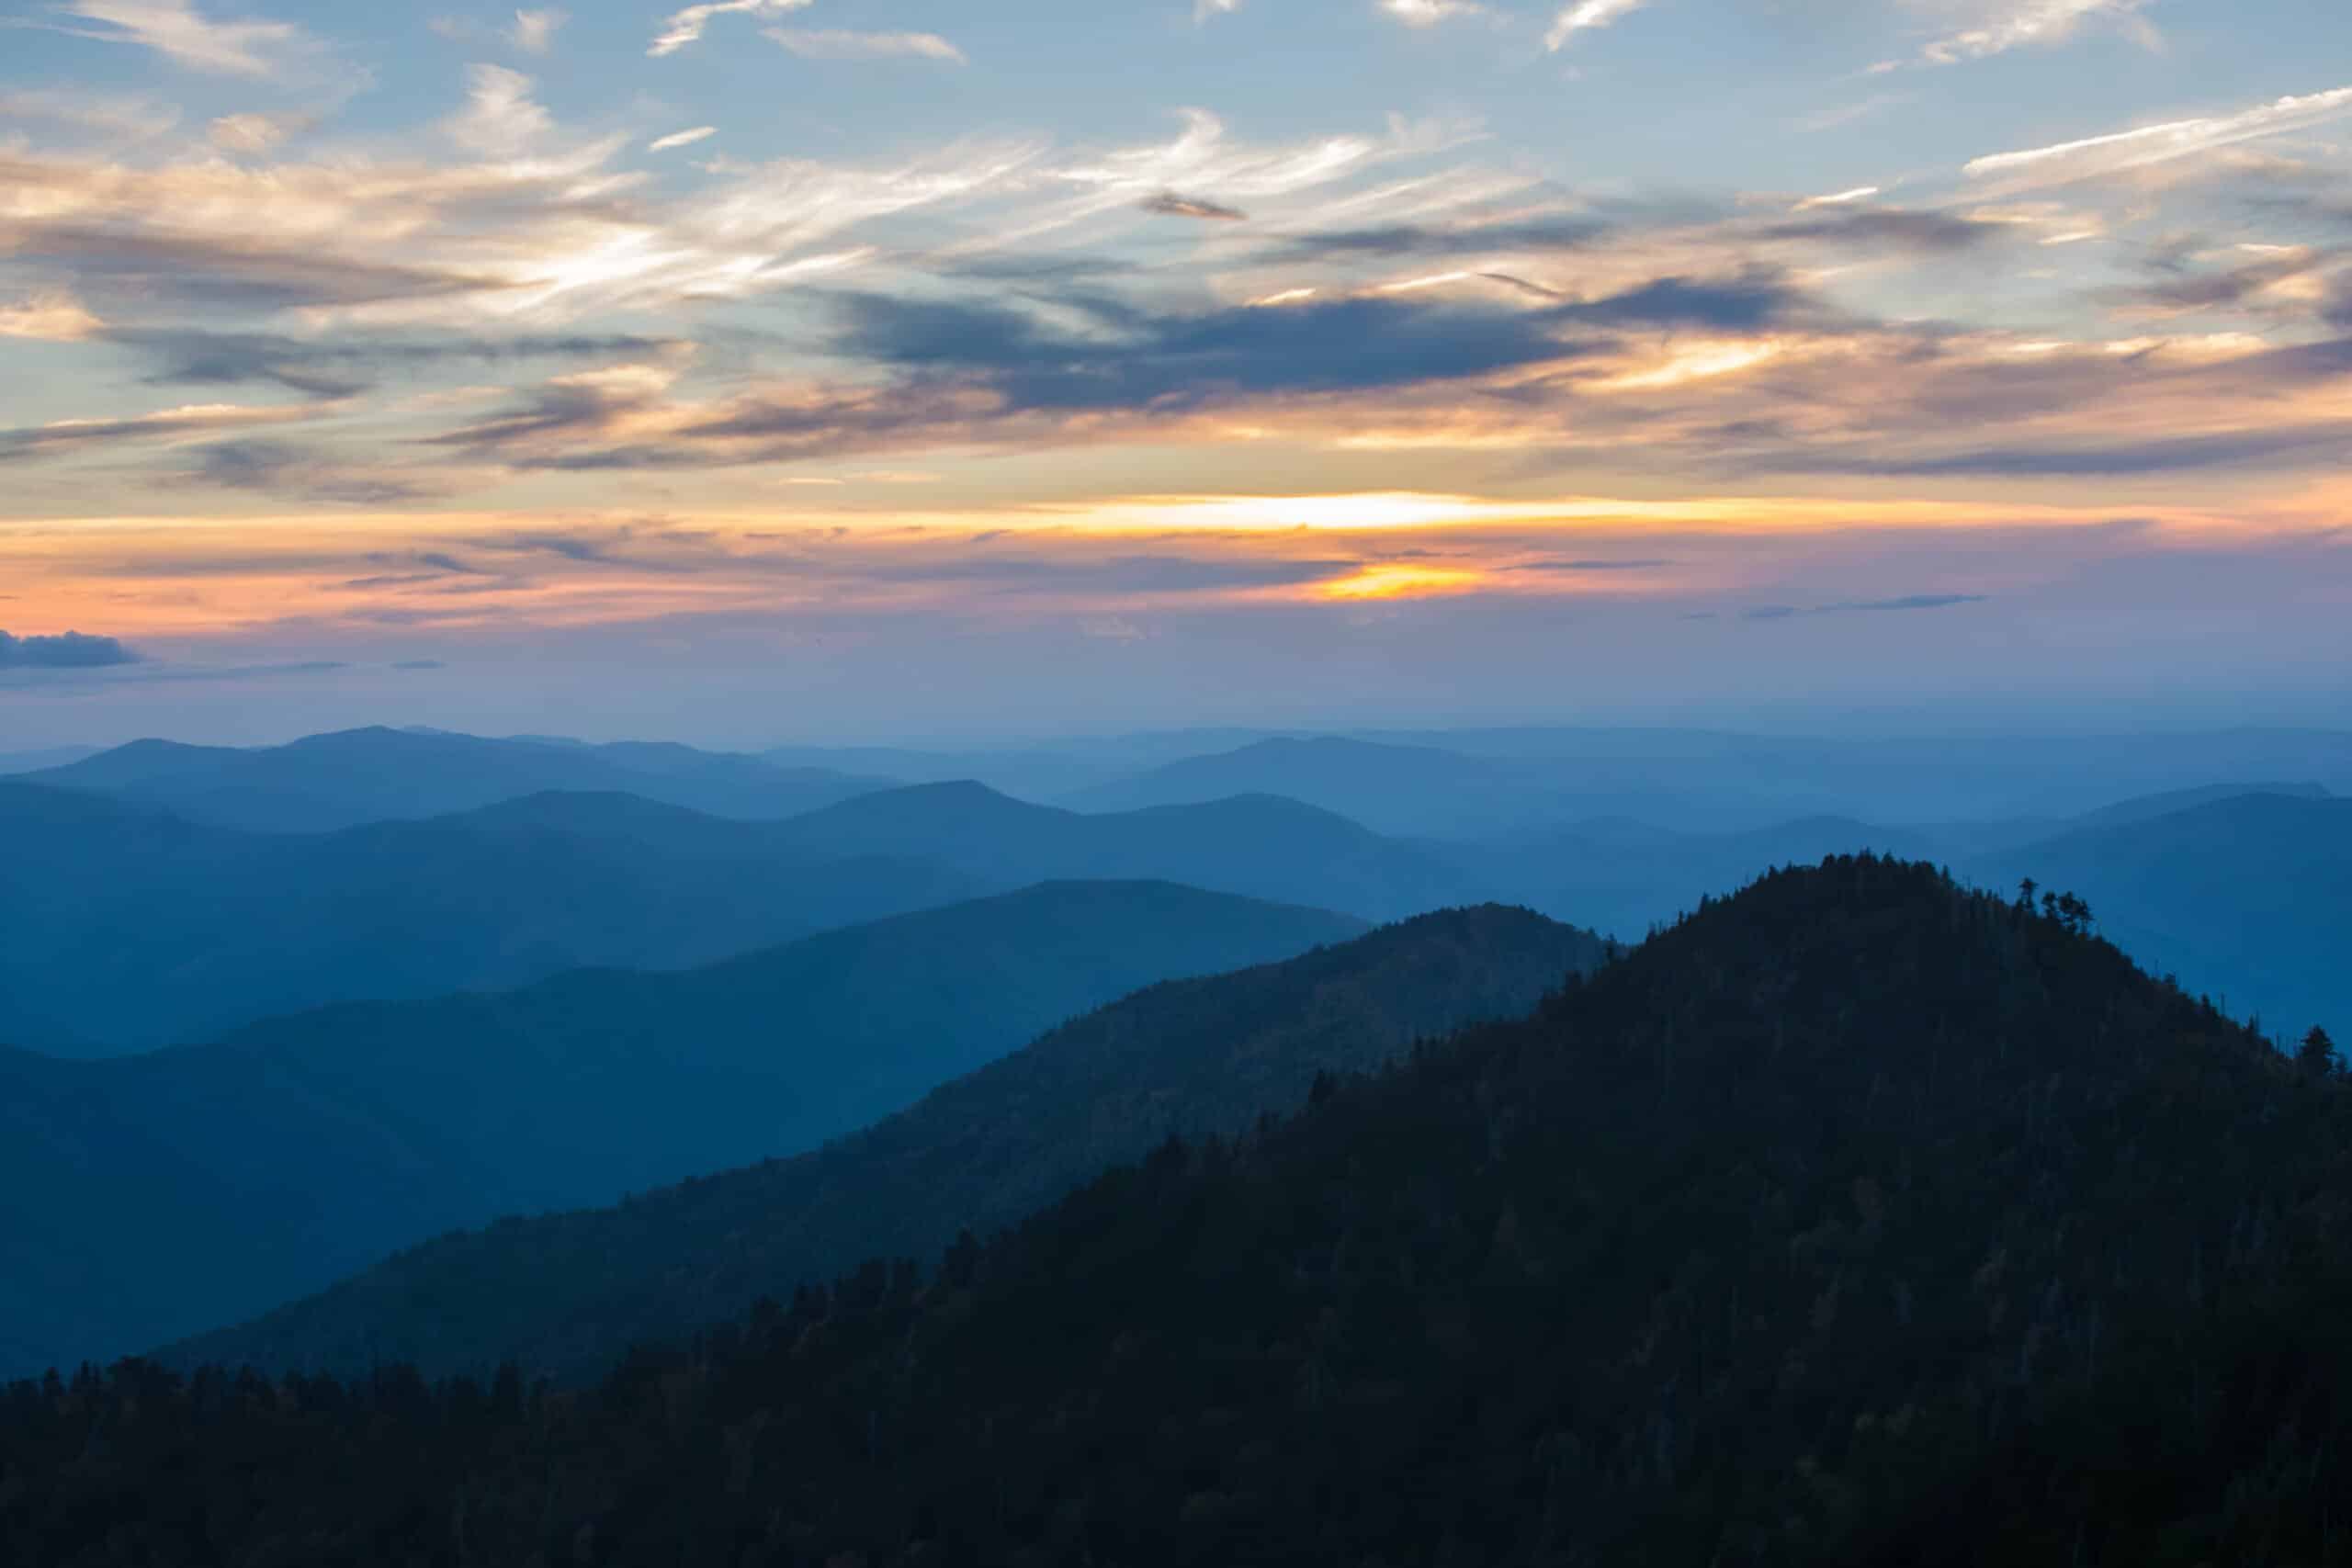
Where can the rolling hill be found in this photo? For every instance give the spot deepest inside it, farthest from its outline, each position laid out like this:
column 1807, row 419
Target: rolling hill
column 326, row 781
column 227, row 1178
column 1859, row 1220
column 566, row 1293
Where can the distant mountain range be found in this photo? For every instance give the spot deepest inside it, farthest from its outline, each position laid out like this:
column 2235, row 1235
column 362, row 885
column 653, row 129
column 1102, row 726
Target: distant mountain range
column 343, row 780
column 123, row 928
column 149, row 1197
column 1477, row 784
column 125, row 931
column 1859, row 1220
column 568, row 1294
column 1260, row 846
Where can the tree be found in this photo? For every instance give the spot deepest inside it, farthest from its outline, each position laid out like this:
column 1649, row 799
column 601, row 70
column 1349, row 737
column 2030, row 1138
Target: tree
column 2025, row 889
column 2317, row 1054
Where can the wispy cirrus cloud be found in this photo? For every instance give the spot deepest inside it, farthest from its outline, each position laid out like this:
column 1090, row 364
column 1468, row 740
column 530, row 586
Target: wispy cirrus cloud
column 2124, row 151
column 682, row 139
column 686, row 27
column 2020, row 23
column 191, row 422
column 1429, row 13
column 177, row 29
column 1585, row 16
column 834, row 44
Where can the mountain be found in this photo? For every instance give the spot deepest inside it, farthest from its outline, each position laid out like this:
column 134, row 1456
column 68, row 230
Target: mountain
column 151, row 1197
column 1259, row 846
column 1027, row 772
column 1857, row 1220
column 1410, row 790
column 50, row 757
column 2147, row 807
column 327, row 782
column 123, row 928
column 1483, row 784
column 567, row 1293
column 2247, row 898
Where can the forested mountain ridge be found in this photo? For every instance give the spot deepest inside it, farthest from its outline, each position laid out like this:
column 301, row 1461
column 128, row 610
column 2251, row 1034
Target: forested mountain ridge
column 1858, row 1219
column 2247, row 896
column 125, row 928
column 567, row 1293
column 228, row 1178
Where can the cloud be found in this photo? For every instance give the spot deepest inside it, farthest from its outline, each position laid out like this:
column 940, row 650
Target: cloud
column 67, row 651
column 1429, row 13
column 2120, row 151
column 278, row 468
column 113, row 117
column 179, row 32
column 1836, row 221
column 421, row 664
column 1585, row 14
column 247, row 132
column 1587, row 564
column 687, row 25
column 2017, row 24
column 55, row 317
column 1170, row 204
column 967, row 370
column 2326, row 441
column 343, row 366
column 1740, row 304
column 838, row 44
column 499, row 120
column 1203, row 9
column 2285, row 267
column 1555, row 231
column 193, row 422
column 1907, row 601
column 534, row 31
column 681, row 138
column 1846, row 114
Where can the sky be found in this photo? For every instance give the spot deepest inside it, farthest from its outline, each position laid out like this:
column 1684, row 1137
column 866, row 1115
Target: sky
column 774, row 370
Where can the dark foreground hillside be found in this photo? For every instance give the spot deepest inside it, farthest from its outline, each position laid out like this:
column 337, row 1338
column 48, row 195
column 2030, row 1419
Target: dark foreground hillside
column 1855, row 1220
column 567, row 1293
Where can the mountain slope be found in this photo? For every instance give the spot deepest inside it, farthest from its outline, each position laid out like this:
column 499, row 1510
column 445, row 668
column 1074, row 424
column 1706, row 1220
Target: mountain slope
column 123, row 928
column 1830, row 1227
column 2247, row 898
column 1258, row 846
column 568, row 1292
column 1413, row 790
column 326, row 781
column 302, row 1148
